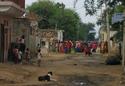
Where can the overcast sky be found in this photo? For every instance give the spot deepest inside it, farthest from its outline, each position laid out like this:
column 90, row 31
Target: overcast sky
column 79, row 9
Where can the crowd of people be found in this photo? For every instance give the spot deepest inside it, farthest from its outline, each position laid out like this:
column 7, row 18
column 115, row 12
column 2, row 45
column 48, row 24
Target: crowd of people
column 80, row 46
column 20, row 54
column 18, row 51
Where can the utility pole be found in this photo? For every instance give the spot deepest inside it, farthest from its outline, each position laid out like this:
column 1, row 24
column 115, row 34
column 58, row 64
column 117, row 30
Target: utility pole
column 123, row 46
column 123, row 51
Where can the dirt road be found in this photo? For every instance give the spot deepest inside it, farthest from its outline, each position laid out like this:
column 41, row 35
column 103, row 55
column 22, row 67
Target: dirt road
column 68, row 70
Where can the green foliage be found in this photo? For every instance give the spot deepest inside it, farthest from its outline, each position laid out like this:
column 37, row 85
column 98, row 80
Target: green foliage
column 118, row 26
column 84, row 31
column 114, row 6
column 92, row 6
column 56, row 16
column 119, row 9
column 91, row 37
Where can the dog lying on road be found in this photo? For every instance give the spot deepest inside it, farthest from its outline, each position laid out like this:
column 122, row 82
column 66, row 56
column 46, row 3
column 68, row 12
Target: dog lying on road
column 47, row 77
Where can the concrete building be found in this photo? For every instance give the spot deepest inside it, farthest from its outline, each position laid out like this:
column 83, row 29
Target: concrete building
column 9, row 10
column 103, row 34
column 103, row 38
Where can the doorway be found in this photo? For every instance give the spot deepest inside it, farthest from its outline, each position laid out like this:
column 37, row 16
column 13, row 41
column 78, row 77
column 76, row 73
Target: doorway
column 1, row 42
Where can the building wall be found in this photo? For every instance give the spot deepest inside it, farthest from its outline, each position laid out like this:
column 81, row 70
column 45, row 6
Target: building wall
column 6, row 35
column 103, row 36
column 21, row 28
column 6, row 32
column 60, row 35
column 21, row 3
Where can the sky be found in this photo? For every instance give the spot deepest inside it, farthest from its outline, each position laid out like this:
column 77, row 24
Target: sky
column 79, row 8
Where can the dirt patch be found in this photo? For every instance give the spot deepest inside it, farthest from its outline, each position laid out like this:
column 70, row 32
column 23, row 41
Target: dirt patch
column 68, row 70
column 86, row 80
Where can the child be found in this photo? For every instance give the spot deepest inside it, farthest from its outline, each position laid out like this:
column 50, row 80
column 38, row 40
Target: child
column 87, row 51
column 16, row 53
column 39, row 55
column 27, row 55
column 20, row 56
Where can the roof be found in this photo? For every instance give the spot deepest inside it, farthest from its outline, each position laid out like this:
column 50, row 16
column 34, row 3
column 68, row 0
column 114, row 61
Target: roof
column 10, row 8
column 112, row 33
column 9, row 3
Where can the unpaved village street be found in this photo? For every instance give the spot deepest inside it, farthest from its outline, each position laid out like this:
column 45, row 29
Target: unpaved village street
column 68, row 70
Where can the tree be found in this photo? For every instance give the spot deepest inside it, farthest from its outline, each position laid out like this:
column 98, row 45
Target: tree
column 56, row 16
column 53, row 16
column 83, row 30
column 91, row 37
column 114, row 6
column 92, row 6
